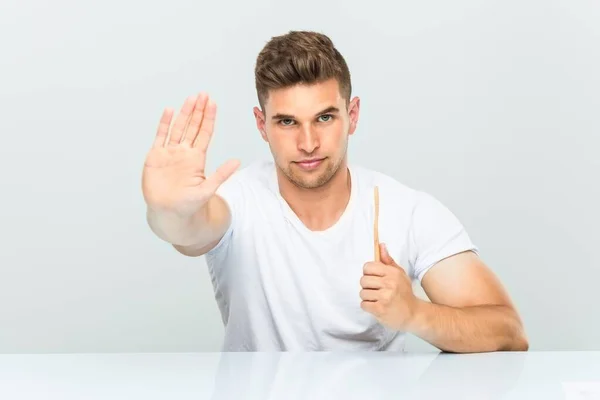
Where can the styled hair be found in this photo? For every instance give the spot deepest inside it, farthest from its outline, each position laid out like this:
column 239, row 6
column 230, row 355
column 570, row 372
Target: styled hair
column 299, row 57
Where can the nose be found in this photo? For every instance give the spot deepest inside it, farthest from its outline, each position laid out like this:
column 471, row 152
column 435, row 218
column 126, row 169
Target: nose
column 308, row 140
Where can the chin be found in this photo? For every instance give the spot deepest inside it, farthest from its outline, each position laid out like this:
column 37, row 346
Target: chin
column 310, row 183
column 312, row 179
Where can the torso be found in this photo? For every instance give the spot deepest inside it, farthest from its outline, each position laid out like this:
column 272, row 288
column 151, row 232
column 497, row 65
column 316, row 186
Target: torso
column 280, row 286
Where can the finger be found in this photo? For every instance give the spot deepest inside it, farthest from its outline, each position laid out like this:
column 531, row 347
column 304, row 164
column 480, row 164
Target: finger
column 182, row 120
column 369, row 294
column 163, row 127
column 195, row 120
column 371, row 282
column 372, row 307
column 207, row 127
column 222, row 173
column 375, row 269
column 388, row 260
column 385, row 255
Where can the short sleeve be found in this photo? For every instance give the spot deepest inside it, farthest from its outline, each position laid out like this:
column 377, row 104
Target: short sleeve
column 231, row 191
column 435, row 234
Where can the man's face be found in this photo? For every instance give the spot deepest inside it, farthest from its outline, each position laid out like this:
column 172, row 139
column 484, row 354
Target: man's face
column 307, row 128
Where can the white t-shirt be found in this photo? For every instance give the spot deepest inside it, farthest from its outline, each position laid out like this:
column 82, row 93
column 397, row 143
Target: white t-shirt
column 282, row 287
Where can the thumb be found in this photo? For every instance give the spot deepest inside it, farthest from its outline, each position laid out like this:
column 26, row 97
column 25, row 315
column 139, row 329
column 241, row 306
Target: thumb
column 385, row 255
column 222, row 173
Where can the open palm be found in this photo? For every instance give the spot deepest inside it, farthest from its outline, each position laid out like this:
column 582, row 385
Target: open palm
column 174, row 171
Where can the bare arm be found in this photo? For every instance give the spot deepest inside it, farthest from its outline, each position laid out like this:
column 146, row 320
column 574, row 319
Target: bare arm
column 483, row 328
column 469, row 311
column 196, row 235
column 182, row 205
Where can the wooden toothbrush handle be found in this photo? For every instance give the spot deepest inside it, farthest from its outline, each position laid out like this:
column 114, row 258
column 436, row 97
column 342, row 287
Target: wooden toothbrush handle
column 376, row 226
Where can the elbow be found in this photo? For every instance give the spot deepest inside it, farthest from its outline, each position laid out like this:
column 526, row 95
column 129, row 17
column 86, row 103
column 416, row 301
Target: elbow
column 522, row 343
column 518, row 341
column 190, row 251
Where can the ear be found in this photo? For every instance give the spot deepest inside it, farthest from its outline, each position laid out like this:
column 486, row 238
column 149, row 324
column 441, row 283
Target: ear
column 259, row 116
column 353, row 112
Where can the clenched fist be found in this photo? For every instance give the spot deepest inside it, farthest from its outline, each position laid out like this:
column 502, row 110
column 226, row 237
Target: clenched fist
column 387, row 292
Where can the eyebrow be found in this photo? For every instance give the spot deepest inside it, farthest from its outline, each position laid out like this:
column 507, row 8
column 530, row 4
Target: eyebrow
column 331, row 109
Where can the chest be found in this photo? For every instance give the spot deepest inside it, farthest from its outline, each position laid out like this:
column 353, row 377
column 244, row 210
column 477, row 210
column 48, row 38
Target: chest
column 312, row 278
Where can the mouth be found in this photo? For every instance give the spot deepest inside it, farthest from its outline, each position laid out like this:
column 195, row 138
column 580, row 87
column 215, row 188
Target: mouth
column 308, row 165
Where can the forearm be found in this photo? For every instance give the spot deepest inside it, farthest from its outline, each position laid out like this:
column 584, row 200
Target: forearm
column 469, row 329
column 197, row 230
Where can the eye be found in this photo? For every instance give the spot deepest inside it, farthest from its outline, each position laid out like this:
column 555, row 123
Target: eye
column 328, row 117
column 286, row 122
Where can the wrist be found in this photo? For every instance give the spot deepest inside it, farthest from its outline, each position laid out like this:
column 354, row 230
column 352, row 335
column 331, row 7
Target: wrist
column 419, row 308
column 174, row 227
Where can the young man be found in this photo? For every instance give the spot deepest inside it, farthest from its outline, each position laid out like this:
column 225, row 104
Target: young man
column 290, row 243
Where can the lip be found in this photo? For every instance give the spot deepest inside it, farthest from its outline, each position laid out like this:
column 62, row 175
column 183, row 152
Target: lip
column 310, row 164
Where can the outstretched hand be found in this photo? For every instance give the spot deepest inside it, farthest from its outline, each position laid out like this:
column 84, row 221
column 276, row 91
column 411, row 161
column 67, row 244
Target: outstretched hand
column 174, row 171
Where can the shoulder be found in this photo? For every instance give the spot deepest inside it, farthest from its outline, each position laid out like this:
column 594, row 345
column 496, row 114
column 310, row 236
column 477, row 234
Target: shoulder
column 398, row 197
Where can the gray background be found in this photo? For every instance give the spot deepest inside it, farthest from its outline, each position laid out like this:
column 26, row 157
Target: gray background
column 491, row 106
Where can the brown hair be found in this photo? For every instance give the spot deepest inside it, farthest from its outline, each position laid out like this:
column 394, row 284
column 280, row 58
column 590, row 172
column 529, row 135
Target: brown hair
column 299, row 57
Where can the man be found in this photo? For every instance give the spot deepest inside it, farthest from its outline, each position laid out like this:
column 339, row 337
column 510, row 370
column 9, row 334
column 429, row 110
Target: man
column 289, row 243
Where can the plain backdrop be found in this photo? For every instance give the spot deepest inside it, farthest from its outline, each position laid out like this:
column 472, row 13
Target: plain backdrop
column 491, row 106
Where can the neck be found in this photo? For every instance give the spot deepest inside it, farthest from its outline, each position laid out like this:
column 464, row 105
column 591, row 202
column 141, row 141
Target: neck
column 318, row 208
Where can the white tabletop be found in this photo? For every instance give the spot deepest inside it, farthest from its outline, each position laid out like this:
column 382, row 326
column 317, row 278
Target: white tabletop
column 290, row 376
